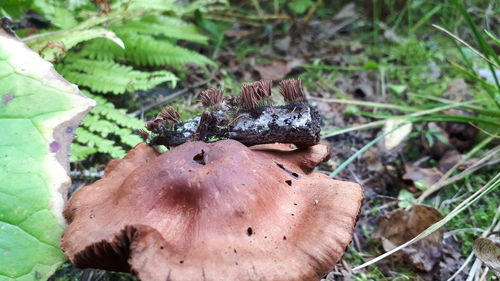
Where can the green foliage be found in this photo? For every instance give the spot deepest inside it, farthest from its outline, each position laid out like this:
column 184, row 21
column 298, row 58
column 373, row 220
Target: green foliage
column 469, row 226
column 117, row 51
column 300, row 6
column 38, row 113
column 106, row 130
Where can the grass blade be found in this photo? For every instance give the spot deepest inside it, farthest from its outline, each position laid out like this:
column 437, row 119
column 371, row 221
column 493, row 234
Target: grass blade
column 363, row 149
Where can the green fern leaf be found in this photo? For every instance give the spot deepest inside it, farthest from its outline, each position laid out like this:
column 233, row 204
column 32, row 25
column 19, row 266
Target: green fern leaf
column 58, row 16
column 53, row 45
column 166, row 26
column 101, row 49
column 108, row 76
column 101, row 144
column 80, row 152
column 145, row 50
column 141, row 5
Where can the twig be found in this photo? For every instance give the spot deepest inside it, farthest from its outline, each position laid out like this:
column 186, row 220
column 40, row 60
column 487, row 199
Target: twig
column 312, row 11
column 172, row 96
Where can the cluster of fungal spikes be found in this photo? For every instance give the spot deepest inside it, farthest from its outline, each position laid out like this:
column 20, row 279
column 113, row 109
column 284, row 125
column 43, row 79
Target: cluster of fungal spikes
column 211, row 97
column 292, row 91
column 247, row 118
column 168, row 116
column 253, row 93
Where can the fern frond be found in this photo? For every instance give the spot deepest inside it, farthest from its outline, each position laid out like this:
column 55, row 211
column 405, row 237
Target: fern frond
column 166, row 26
column 108, row 76
column 107, row 110
column 58, row 16
column 80, row 152
column 101, row 49
column 128, row 137
column 54, row 44
column 203, row 6
column 145, row 50
column 141, row 5
column 99, row 143
column 97, row 125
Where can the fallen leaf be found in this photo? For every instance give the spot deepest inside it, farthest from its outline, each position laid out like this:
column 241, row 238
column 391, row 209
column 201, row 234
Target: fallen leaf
column 347, row 12
column 457, row 91
column 283, row 44
column 488, row 251
column 451, row 262
column 364, row 86
column 428, row 176
column 278, row 69
column 371, row 161
column 393, row 143
column 462, row 136
column 402, row 225
column 449, row 159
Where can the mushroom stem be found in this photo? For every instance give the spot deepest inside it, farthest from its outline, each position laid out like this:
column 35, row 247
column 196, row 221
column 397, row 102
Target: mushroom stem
column 293, row 123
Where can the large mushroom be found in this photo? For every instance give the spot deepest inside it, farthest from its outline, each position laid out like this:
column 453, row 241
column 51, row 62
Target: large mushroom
column 214, row 211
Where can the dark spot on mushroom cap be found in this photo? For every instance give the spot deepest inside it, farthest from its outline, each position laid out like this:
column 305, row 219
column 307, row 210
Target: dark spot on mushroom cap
column 289, row 182
column 181, row 262
column 290, row 172
column 284, row 237
column 249, row 231
column 200, row 158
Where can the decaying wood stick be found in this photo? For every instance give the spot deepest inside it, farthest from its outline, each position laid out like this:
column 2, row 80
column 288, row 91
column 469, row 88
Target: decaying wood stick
column 243, row 119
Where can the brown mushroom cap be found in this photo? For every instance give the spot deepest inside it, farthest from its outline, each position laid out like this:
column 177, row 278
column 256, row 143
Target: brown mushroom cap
column 217, row 211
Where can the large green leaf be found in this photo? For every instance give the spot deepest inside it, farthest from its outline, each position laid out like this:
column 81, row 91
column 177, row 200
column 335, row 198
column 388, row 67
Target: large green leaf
column 39, row 112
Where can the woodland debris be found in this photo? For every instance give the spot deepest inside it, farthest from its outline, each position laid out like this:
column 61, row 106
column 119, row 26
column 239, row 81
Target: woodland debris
column 248, row 119
column 488, row 251
column 401, row 225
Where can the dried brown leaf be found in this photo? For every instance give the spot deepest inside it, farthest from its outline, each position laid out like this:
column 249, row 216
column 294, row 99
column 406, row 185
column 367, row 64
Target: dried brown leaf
column 402, row 225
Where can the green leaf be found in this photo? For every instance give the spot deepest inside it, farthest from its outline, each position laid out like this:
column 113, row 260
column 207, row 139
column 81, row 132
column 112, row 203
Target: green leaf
column 397, row 89
column 430, row 139
column 58, row 16
column 300, row 6
column 38, row 113
column 54, row 45
column 405, row 198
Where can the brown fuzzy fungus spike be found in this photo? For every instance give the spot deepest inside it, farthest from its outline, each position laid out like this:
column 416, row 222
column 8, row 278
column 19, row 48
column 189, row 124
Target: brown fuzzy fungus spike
column 156, row 124
column 170, row 115
column 292, row 91
column 211, row 97
column 263, row 88
column 249, row 96
column 214, row 211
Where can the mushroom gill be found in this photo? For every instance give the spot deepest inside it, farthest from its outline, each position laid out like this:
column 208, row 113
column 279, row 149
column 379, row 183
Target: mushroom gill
column 214, row 211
